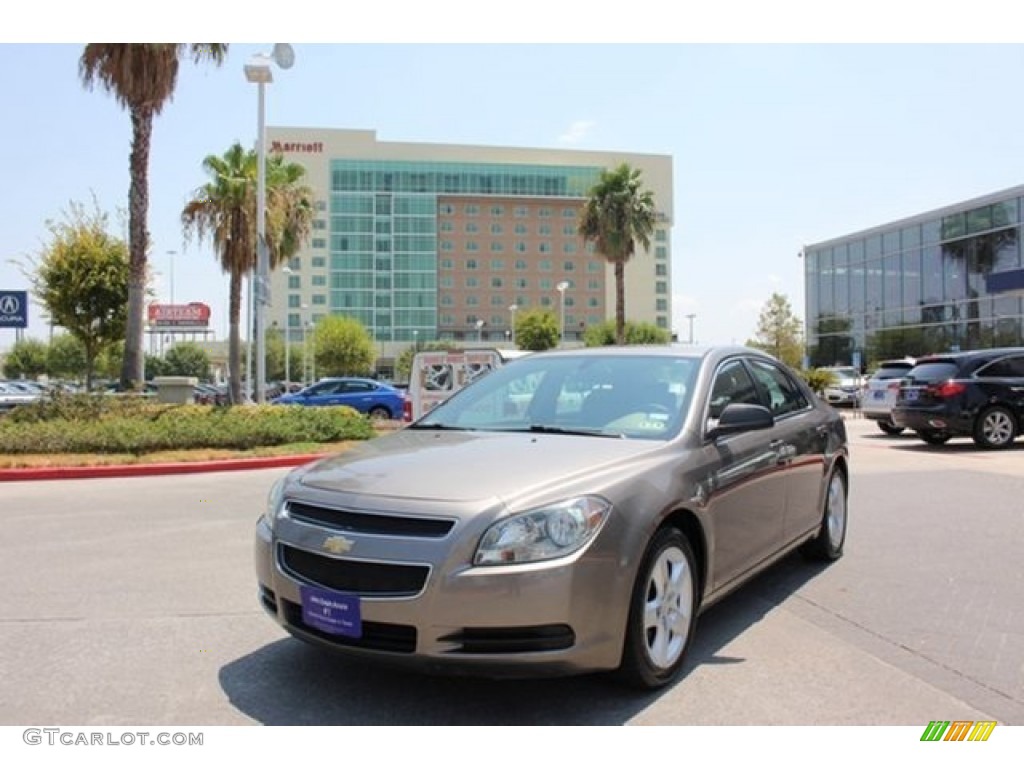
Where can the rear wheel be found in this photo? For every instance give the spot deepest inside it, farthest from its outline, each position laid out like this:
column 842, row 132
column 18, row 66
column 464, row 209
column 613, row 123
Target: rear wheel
column 379, row 413
column 662, row 612
column 935, row 438
column 828, row 544
column 995, row 427
column 889, row 428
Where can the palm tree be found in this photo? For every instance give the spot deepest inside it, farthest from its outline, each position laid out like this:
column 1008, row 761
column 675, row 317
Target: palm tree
column 224, row 211
column 618, row 214
column 142, row 77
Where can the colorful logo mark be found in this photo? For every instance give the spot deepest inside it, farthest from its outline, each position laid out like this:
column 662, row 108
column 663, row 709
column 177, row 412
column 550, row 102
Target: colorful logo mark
column 958, row 730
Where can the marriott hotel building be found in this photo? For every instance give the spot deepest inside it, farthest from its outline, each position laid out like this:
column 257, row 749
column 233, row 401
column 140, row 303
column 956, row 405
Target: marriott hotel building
column 425, row 242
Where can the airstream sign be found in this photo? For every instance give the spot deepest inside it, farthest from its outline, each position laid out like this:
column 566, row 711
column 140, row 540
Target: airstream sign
column 193, row 315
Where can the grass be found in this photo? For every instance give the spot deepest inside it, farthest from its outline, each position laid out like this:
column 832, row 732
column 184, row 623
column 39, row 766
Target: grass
column 41, row 460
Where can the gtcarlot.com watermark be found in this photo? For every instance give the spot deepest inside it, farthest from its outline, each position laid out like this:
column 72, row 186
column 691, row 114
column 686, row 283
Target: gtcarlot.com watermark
column 69, row 738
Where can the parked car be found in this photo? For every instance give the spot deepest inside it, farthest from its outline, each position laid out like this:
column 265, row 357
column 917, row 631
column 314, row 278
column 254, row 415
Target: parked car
column 881, row 390
column 564, row 534
column 977, row 394
column 845, row 389
column 374, row 398
column 15, row 393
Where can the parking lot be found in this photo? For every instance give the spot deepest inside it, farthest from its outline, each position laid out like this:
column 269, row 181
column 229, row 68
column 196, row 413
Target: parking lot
column 132, row 601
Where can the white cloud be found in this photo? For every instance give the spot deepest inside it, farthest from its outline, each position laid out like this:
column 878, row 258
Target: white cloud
column 576, row 132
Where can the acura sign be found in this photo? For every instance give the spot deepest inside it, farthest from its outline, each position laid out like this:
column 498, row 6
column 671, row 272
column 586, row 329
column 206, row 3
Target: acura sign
column 13, row 309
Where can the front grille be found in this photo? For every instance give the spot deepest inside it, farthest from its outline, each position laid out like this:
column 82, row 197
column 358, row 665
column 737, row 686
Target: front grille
column 376, row 636
column 548, row 637
column 366, row 522
column 354, row 576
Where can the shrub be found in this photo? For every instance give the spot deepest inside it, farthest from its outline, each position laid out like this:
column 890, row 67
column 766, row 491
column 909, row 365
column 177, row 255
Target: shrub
column 105, row 424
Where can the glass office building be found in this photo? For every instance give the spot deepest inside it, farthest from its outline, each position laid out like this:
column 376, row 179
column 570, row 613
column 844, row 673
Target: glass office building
column 945, row 280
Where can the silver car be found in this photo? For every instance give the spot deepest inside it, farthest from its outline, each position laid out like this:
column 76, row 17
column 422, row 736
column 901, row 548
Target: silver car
column 881, row 391
column 571, row 511
column 845, row 387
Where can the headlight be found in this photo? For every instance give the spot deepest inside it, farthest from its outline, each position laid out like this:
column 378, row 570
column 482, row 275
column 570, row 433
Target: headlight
column 274, row 499
column 543, row 534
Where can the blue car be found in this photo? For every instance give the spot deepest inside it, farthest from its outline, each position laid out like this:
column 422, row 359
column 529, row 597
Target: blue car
column 375, row 399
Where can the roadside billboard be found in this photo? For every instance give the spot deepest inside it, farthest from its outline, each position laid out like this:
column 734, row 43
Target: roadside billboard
column 13, row 309
column 193, row 315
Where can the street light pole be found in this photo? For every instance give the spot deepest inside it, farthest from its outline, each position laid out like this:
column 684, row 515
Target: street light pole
column 561, row 288
column 171, row 255
column 512, row 323
column 258, row 71
column 690, row 318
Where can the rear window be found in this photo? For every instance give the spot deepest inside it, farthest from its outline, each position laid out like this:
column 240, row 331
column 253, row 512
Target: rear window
column 927, row 373
column 894, row 371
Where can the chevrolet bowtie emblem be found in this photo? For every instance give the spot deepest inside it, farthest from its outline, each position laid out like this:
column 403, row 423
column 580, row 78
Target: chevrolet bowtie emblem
column 337, row 545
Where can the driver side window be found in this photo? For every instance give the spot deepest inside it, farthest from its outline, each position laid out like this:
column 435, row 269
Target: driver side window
column 732, row 385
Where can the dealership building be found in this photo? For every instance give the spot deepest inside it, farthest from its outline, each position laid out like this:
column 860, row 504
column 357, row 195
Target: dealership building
column 949, row 279
column 447, row 242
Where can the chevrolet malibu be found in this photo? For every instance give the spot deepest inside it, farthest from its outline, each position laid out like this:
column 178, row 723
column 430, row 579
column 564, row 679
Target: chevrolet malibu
column 569, row 512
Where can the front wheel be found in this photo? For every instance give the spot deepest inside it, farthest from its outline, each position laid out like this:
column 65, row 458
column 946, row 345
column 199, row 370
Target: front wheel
column 889, row 428
column 828, row 544
column 995, row 427
column 662, row 612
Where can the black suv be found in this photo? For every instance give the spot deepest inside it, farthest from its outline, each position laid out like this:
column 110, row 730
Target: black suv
column 977, row 394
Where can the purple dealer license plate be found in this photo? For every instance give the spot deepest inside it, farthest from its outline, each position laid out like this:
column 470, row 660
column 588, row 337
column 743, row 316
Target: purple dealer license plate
column 331, row 612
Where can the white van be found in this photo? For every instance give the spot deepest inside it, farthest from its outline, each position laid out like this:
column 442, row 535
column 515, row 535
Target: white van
column 436, row 375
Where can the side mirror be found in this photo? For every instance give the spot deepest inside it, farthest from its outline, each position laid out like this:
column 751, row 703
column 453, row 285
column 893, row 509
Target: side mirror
column 741, row 417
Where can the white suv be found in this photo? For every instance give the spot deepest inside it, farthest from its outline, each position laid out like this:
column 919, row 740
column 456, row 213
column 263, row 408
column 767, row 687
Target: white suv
column 881, row 390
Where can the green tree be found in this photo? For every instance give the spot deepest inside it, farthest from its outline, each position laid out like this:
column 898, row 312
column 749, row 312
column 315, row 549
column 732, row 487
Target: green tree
column 779, row 332
column 82, row 278
column 156, row 366
column 342, row 347
column 187, row 359
column 603, row 335
column 618, row 215
column 536, row 329
column 275, row 354
column 223, row 211
column 65, row 357
column 27, row 358
column 142, row 78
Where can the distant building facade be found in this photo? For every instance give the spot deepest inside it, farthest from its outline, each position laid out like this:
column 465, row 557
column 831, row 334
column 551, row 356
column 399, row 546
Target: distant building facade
column 944, row 280
column 424, row 242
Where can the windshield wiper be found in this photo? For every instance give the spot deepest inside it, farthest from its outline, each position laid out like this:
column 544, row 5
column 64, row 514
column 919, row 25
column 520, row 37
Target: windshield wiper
column 586, row 431
column 439, row 426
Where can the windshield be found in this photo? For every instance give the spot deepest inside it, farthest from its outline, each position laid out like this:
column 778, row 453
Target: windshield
column 609, row 395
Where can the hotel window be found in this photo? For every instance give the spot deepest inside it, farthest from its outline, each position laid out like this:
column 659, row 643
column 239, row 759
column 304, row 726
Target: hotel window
column 544, row 265
column 522, row 212
column 321, row 205
column 497, row 210
column 595, row 266
column 497, row 282
column 593, row 301
column 471, row 264
column 660, row 235
column 319, row 224
column 521, row 229
column 661, row 305
column 569, row 230
column 472, row 282
column 319, row 262
column 319, row 298
column 497, row 300
column 295, row 263
column 446, row 209
column 568, row 266
column 294, row 301
column 472, row 246
column 446, row 245
column 319, row 280
column 472, row 226
column 447, row 301
column 497, row 265
column 521, row 265
column 544, row 213
column 319, row 242
column 568, row 247
column 660, row 252
column 447, row 264
column 497, row 247
column 497, row 229
column 661, row 270
column 447, row 226
column 522, row 284
column 544, row 229
column 661, row 287
column 545, row 284
column 294, row 282
column 544, row 247
column 593, row 285
column 472, row 301
column 447, row 282
column 472, row 210
column 521, row 247
column 447, row 320
column 568, row 213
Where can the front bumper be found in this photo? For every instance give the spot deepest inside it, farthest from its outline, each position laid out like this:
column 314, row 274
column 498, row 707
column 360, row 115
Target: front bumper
column 438, row 612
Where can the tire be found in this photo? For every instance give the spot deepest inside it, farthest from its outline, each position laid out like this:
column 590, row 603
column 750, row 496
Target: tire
column 379, row 413
column 995, row 428
column 889, row 428
column 829, row 542
column 935, row 438
column 662, row 612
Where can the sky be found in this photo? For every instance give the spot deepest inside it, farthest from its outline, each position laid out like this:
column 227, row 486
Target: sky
column 781, row 133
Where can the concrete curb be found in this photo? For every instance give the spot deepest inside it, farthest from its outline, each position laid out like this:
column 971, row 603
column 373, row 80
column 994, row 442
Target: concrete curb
column 141, row 470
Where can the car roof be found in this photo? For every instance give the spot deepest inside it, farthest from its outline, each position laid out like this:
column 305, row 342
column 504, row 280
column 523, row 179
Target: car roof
column 972, row 354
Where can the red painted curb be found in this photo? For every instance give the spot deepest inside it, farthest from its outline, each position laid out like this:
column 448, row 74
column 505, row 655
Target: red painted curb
column 140, row 470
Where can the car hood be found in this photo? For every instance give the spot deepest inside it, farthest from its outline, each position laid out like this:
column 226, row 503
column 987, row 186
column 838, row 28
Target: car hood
column 467, row 466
